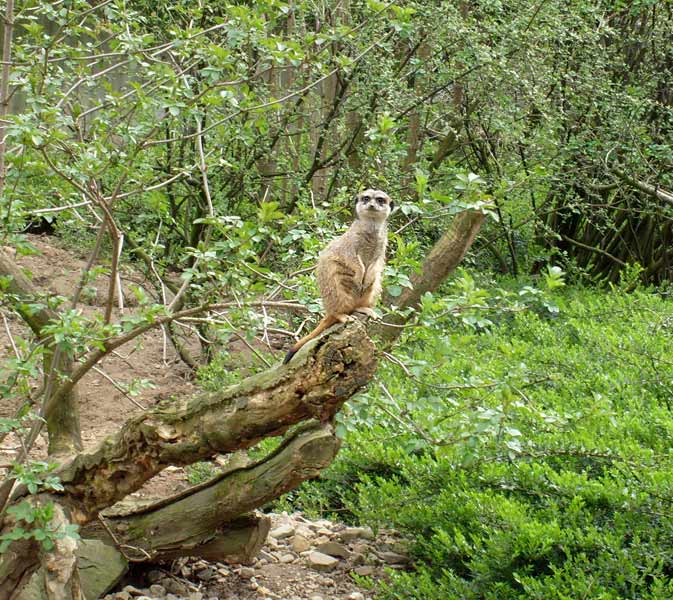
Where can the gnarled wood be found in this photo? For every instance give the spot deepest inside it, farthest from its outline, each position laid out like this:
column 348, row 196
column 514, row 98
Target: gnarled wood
column 326, row 373
column 184, row 524
column 180, row 432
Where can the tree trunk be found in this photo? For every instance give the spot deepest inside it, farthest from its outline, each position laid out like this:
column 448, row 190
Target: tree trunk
column 206, row 521
column 444, row 257
column 198, row 521
column 63, row 418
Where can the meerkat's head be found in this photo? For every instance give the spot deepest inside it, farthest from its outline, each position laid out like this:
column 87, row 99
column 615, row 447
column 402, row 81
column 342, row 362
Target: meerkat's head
column 373, row 205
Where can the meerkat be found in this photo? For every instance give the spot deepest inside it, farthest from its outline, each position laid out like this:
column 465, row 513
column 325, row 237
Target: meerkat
column 350, row 268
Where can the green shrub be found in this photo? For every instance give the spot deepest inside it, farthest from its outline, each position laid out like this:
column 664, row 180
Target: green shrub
column 528, row 460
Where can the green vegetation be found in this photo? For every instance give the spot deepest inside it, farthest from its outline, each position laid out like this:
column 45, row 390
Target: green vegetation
column 203, row 153
column 527, row 460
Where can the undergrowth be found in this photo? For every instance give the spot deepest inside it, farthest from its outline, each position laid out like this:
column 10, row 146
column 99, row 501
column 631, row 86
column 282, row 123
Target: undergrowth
column 527, row 459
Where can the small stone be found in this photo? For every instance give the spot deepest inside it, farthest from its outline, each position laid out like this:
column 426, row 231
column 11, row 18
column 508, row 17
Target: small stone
column 300, row 544
column 357, row 558
column 246, row 573
column 143, row 597
column 157, row 590
column 323, row 539
column 195, row 596
column 323, row 531
column 134, row 591
column 267, row 556
column 287, row 558
column 175, row 587
column 305, row 532
column 393, row 558
column 334, row 549
column 224, row 571
column 322, row 562
column 315, row 597
column 355, row 596
column 351, row 533
column 206, row 574
column 154, row 576
column 123, row 596
column 282, row 531
column 365, row 571
column 172, row 597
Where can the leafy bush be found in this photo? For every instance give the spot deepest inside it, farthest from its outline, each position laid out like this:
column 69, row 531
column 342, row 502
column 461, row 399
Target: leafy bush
column 526, row 460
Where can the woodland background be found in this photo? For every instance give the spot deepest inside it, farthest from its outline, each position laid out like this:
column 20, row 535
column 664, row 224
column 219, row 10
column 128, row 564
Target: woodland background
column 517, row 427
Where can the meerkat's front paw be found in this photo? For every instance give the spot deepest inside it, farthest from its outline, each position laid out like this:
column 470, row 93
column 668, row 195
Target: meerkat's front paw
column 370, row 312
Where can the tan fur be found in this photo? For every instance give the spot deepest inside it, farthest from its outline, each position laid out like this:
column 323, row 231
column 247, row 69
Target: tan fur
column 350, row 268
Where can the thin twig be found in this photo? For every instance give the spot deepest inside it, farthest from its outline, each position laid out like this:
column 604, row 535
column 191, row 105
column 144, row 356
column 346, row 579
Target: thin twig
column 119, row 387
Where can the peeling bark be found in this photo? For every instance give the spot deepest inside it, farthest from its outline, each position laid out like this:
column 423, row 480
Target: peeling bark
column 180, row 432
column 200, row 521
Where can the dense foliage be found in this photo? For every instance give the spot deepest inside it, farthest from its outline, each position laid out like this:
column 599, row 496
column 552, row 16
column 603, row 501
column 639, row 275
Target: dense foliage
column 517, row 432
column 527, row 460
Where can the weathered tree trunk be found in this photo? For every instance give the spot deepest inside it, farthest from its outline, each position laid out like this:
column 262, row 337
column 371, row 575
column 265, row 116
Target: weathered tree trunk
column 444, row 257
column 191, row 523
column 327, row 372
column 62, row 418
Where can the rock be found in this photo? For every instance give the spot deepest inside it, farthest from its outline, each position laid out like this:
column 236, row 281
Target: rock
column 326, row 532
column 157, row 590
column 282, row 531
column 154, row 576
column 322, row 562
column 357, row 558
column 355, row 596
column 172, row 597
column 206, row 574
column 393, row 558
column 287, row 558
column 134, row 591
column 195, row 596
column 123, row 596
column 267, row 556
column 352, row 533
column 305, row 531
column 361, row 547
column 300, row 544
column 315, row 597
column 246, row 573
column 365, row 571
column 174, row 586
column 334, row 549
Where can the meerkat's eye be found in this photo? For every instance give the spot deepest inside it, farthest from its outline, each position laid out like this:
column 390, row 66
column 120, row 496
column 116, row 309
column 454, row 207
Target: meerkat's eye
column 365, row 198
column 381, row 200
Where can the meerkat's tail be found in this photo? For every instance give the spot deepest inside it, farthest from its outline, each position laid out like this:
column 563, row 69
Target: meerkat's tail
column 327, row 321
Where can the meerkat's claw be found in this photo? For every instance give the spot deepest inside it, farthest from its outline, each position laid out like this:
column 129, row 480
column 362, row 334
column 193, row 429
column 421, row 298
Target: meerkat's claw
column 370, row 312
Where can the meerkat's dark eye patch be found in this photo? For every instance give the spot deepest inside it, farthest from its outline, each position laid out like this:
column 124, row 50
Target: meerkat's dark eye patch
column 365, row 198
column 381, row 200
